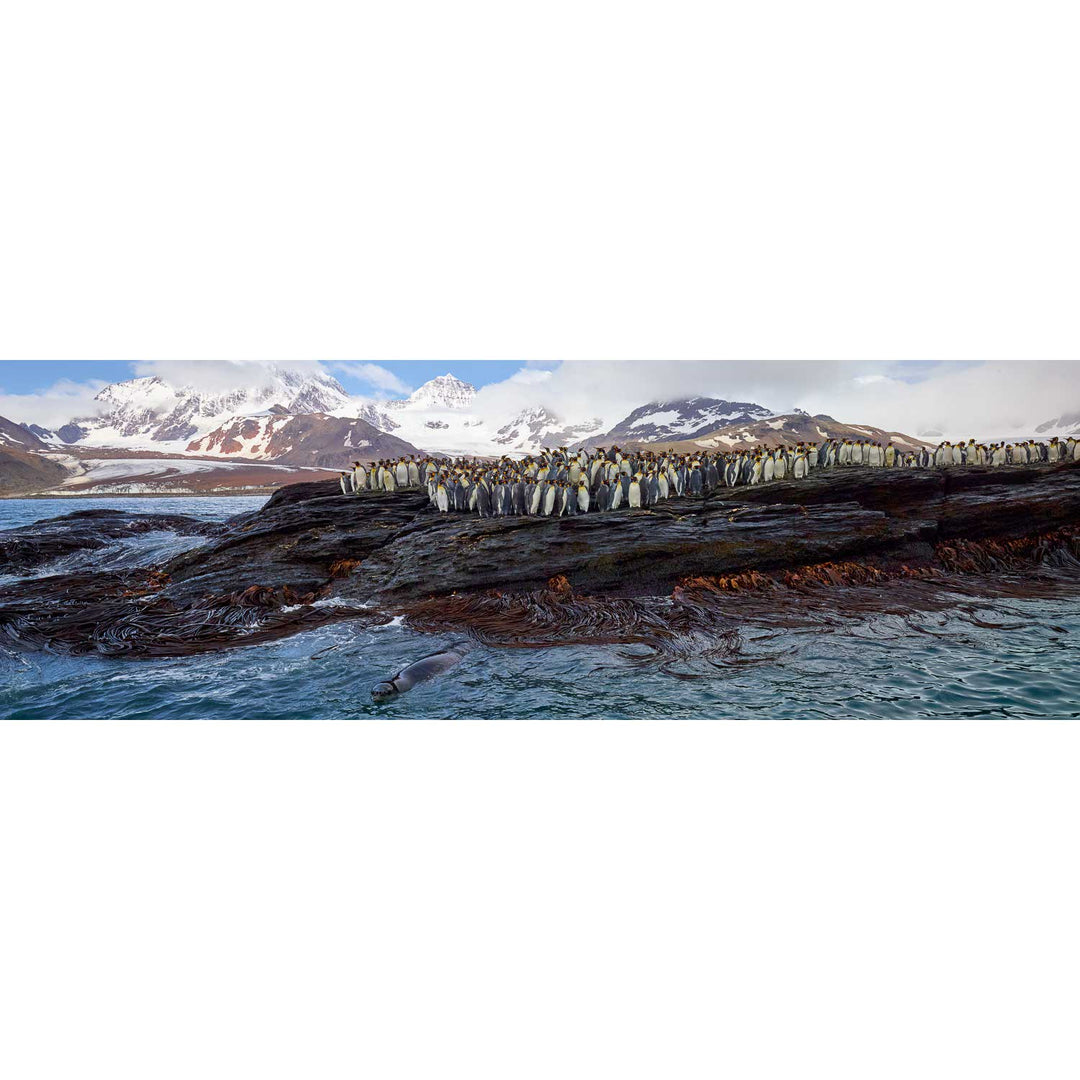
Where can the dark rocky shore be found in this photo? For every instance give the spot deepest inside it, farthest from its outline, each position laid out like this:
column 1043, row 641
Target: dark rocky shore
column 259, row 574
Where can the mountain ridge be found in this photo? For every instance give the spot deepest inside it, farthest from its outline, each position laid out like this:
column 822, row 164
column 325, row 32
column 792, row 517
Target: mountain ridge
column 443, row 416
column 149, row 409
column 311, row 439
column 685, row 418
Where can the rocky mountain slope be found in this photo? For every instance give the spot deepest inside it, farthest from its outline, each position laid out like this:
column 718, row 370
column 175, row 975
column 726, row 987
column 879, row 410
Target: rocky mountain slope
column 538, row 429
column 22, row 464
column 787, row 430
column 1062, row 426
column 149, row 411
column 690, row 418
column 303, row 417
column 313, row 438
column 17, row 437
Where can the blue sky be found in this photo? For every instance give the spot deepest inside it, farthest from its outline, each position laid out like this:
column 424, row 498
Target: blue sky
column 34, row 376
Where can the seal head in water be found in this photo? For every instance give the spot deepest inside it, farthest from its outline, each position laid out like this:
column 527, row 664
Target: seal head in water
column 426, row 667
column 383, row 690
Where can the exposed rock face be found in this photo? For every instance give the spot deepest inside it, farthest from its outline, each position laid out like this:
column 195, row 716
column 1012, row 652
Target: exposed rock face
column 690, row 418
column 84, row 530
column 787, row 430
column 150, row 410
column 22, row 466
column 1066, row 424
column 315, row 439
column 393, row 550
column 539, row 428
column 17, row 437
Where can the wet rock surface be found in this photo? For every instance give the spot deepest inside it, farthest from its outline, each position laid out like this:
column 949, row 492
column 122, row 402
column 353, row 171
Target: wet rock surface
column 35, row 545
column 391, row 551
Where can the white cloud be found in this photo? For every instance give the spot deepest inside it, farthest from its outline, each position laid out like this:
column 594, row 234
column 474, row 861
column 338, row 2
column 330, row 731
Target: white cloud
column 379, row 377
column 985, row 400
column 218, row 375
column 55, row 406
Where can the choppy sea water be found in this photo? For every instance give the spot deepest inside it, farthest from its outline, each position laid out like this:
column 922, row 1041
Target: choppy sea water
column 930, row 665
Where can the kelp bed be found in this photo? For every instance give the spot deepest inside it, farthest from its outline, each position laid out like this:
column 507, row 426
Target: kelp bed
column 705, row 623
column 119, row 614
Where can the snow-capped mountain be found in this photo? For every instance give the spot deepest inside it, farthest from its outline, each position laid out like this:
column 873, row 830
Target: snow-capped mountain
column 788, row 429
column 20, row 437
column 149, row 411
column 691, row 418
column 442, row 418
column 24, row 465
column 440, row 404
column 537, row 428
column 313, row 439
column 1066, row 424
column 442, row 392
column 306, row 418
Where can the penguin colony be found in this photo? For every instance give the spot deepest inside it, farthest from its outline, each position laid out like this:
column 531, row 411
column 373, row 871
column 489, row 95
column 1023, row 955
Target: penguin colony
column 560, row 482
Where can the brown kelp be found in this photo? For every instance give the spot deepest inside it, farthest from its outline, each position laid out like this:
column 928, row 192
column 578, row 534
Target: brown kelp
column 123, row 614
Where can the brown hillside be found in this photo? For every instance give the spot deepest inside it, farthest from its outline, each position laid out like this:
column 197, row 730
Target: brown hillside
column 786, row 430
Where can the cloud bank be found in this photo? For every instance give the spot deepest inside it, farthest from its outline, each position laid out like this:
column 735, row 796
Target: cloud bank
column 53, row 407
column 987, row 400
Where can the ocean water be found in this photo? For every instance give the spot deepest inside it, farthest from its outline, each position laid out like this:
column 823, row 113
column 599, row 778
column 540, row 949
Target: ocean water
column 16, row 512
column 924, row 665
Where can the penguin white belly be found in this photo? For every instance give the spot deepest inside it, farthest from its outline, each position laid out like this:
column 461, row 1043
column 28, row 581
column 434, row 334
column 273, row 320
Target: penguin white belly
column 798, row 470
column 549, row 501
column 634, row 495
column 442, row 500
column 780, row 468
column 768, row 470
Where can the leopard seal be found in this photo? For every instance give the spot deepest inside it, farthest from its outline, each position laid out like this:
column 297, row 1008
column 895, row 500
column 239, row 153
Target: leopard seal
column 427, row 667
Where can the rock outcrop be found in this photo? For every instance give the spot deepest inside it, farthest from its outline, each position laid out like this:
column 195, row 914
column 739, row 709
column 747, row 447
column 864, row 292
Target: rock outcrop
column 33, row 546
column 393, row 551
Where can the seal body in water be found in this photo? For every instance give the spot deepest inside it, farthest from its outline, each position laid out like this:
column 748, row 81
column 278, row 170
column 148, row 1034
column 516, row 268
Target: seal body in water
column 427, row 667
